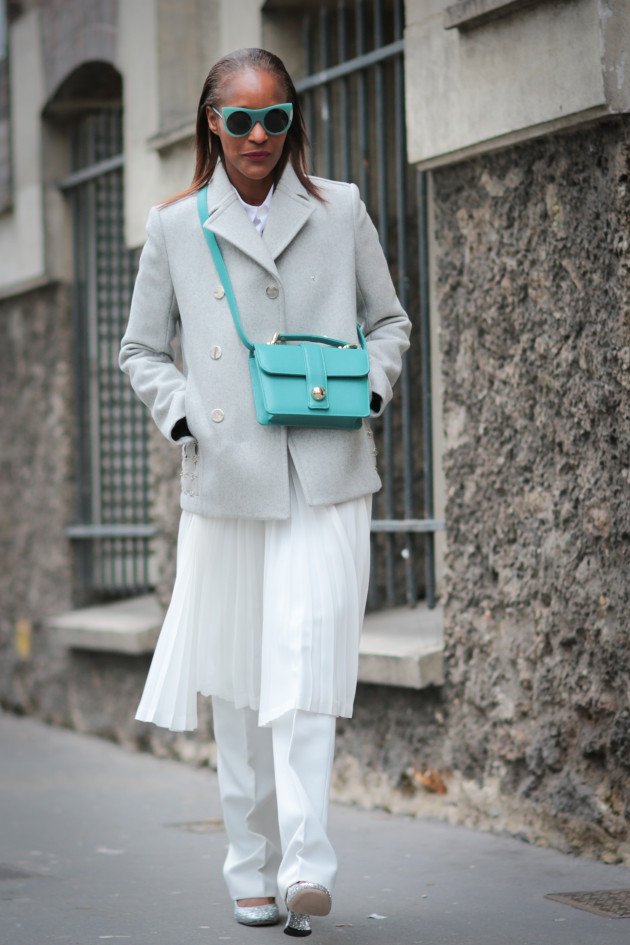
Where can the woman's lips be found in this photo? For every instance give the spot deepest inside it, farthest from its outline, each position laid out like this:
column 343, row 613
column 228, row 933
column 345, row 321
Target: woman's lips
column 256, row 155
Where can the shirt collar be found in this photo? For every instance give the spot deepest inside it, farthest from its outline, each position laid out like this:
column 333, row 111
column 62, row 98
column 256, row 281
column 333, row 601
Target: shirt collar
column 253, row 209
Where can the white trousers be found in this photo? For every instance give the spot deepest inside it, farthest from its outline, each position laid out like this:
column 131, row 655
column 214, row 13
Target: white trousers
column 274, row 782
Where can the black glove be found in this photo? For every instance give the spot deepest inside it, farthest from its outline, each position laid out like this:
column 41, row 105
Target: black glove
column 180, row 429
column 375, row 402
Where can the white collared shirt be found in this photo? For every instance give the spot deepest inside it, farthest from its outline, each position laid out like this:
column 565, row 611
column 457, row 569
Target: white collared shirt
column 258, row 215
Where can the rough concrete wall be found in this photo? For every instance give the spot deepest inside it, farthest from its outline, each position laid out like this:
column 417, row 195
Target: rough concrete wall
column 36, row 476
column 93, row 692
column 533, row 258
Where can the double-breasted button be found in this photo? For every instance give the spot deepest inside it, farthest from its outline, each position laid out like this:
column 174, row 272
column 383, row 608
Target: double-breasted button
column 272, row 291
column 217, row 415
column 215, row 352
column 219, row 292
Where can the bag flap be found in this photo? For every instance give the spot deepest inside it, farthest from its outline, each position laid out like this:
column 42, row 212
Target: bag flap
column 289, row 359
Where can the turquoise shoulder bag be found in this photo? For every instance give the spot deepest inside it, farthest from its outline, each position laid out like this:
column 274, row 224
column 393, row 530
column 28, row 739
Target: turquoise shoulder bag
column 299, row 380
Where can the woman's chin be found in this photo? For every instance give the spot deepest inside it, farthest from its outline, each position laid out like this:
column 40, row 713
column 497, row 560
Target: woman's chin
column 257, row 170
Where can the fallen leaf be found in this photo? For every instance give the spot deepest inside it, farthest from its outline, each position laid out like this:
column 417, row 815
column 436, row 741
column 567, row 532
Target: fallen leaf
column 431, row 780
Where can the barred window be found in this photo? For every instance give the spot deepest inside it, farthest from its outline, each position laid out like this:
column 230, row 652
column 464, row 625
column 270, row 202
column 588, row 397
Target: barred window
column 5, row 148
column 354, row 108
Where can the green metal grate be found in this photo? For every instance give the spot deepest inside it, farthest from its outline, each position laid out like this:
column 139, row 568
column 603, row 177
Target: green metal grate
column 612, row 903
column 354, row 107
column 113, row 530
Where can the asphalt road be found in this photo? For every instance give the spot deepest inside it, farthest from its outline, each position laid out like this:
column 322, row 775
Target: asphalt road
column 100, row 845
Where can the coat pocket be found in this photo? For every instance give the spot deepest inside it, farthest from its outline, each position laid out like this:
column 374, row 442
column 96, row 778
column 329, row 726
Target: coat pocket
column 189, row 476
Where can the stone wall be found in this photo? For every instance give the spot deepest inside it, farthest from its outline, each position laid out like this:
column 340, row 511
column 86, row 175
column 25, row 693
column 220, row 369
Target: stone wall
column 533, row 261
column 36, row 485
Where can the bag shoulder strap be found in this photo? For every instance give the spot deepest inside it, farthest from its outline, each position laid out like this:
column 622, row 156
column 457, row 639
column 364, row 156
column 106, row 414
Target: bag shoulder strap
column 224, row 276
column 219, row 262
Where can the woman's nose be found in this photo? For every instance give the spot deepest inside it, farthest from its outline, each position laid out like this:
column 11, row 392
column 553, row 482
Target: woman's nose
column 258, row 133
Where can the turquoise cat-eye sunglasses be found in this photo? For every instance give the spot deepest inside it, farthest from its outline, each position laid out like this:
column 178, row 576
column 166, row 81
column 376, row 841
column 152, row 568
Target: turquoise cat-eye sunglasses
column 238, row 122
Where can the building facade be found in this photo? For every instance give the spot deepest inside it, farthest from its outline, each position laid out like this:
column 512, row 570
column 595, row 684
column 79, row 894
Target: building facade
column 491, row 142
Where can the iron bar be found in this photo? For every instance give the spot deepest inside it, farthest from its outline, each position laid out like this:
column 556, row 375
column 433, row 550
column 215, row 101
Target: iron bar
column 344, row 91
column 425, row 361
column 325, row 94
column 403, row 294
column 110, row 531
column 407, row 525
column 361, row 62
column 362, row 103
column 91, row 172
column 309, row 111
column 91, row 321
column 82, row 430
column 383, row 231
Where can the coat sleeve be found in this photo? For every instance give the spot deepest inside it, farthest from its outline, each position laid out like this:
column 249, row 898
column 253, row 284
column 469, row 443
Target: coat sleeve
column 384, row 321
column 146, row 352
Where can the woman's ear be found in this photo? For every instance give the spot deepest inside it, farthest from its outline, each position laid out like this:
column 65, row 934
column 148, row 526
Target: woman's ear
column 213, row 119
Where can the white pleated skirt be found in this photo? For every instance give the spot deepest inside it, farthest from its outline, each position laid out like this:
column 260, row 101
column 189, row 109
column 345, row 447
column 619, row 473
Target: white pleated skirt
column 264, row 613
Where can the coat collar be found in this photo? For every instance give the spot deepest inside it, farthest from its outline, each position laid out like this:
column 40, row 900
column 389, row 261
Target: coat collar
column 291, row 206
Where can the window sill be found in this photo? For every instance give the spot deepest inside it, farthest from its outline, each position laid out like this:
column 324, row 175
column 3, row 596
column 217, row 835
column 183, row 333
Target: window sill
column 403, row 647
column 126, row 626
column 467, row 14
column 400, row 647
column 173, row 137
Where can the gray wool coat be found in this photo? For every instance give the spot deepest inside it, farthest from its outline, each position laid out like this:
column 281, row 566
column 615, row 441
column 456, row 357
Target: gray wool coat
column 317, row 268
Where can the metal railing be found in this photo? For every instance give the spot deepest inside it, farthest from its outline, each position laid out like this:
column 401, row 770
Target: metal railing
column 354, row 106
column 113, row 529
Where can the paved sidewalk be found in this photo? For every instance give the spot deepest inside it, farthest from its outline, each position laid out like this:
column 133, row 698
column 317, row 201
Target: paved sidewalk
column 92, row 852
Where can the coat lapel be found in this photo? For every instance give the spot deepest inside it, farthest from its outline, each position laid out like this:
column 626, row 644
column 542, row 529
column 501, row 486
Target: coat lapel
column 228, row 220
column 291, row 206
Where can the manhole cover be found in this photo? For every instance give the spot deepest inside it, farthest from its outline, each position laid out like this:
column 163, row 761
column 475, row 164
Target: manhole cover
column 614, row 903
column 212, row 825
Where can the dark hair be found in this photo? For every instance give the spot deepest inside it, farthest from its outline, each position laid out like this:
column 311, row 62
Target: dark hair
column 208, row 148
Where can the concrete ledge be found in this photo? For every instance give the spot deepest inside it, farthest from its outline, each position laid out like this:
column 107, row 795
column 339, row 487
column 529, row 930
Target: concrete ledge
column 171, row 137
column 403, row 647
column 127, row 626
column 400, row 647
column 468, row 13
column 23, row 286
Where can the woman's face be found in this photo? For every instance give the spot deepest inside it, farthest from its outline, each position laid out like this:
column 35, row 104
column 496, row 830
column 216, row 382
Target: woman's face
column 250, row 160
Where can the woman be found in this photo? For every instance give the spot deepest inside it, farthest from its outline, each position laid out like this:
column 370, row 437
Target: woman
column 273, row 543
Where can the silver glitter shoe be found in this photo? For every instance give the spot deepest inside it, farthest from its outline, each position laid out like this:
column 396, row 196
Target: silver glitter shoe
column 308, row 898
column 304, row 900
column 297, row 924
column 267, row 914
